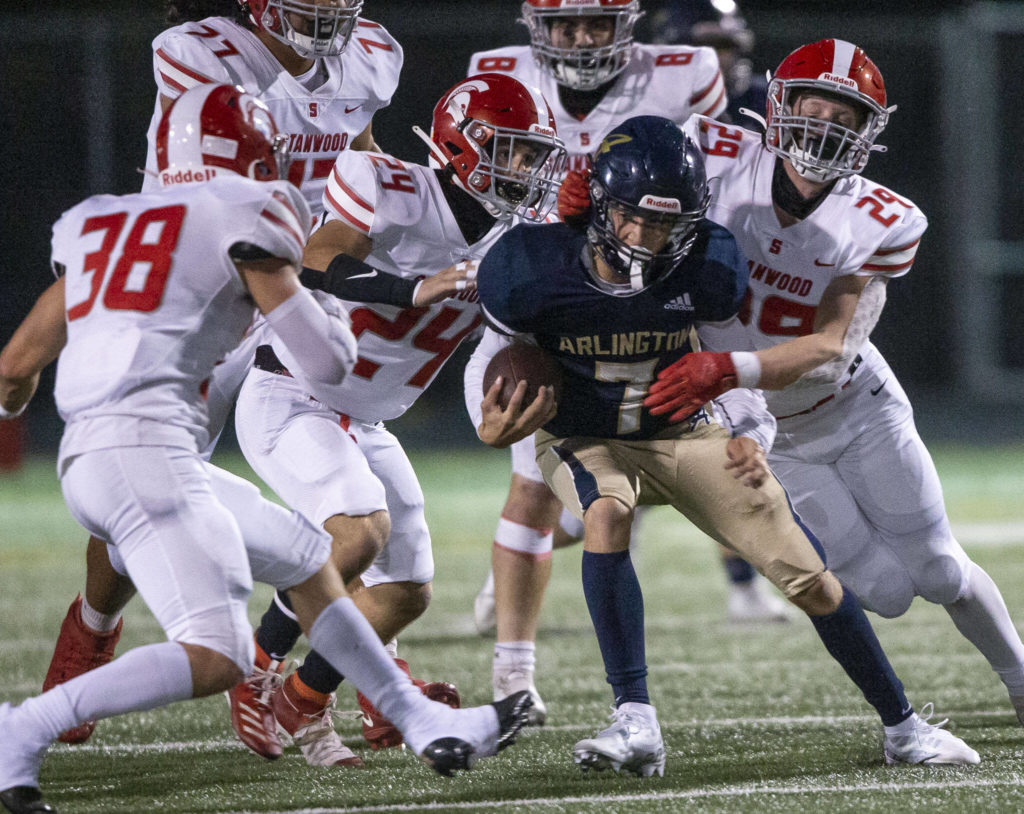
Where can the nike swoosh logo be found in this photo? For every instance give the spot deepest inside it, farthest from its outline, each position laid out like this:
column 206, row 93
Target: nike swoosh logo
column 350, row 109
column 878, row 389
column 817, row 262
column 360, row 276
column 367, row 721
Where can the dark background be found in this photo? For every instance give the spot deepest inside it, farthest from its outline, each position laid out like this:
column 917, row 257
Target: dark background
column 57, row 120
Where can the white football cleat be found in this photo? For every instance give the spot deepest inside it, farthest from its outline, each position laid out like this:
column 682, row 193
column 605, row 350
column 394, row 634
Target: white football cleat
column 509, row 682
column 632, row 743
column 928, row 744
column 752, row 602
column 484, row 615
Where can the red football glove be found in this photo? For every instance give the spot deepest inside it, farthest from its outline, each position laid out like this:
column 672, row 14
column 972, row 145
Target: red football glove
column 574, row 197
column 687, row 385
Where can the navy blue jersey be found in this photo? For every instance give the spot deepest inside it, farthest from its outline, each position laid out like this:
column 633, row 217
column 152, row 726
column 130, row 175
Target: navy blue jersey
column 533, row 280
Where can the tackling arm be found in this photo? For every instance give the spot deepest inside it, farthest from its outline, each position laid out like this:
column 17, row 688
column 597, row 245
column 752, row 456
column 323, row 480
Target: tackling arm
column 334, row 263
column 36, row 343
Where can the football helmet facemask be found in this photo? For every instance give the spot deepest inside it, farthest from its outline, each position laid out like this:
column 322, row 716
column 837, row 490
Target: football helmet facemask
column 581, row 68
column 498, row 137
column 211, row 130
column 648, row 173
column 818, row 149
column 312, row 29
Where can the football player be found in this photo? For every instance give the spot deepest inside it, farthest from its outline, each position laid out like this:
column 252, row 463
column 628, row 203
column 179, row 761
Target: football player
column 722, row 27
column 584, row 59
column 404, row 238
column 154, row 289
column 823, row 243
column 323, row 72
column 615, row 306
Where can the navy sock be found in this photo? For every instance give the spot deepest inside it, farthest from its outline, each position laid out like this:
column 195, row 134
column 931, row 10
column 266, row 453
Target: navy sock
column 616, row 607
column 318, row 675
column 278, row 632
column 848, row 636
column 738, row 569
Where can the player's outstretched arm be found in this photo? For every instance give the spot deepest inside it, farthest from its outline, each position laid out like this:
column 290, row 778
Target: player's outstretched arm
column 316, row 333
column 36, row 343
column 686, row 385
column 334, row 263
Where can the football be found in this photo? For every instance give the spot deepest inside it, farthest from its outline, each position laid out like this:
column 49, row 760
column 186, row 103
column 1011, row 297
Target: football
column 518, row 361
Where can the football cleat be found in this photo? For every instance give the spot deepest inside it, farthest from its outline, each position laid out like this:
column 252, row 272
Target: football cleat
column 1018, row 706
column 251, row 715
column 508, row 682
column 79, row 650
column 311, row 728
column 751, row 602
column 379, row 732
column 632, row 743
column 24, row 800
column 484, row 614
column 451, row 754
column 928, row 744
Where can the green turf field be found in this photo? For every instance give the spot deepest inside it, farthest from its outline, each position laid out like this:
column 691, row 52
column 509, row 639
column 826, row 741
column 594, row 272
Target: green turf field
column 755, row 719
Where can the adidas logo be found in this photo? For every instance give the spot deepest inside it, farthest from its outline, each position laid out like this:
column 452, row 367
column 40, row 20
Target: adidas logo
column 680, row 303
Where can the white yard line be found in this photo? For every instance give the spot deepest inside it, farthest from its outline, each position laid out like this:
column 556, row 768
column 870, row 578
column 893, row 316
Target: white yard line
column 981, row 534
column 747, row 791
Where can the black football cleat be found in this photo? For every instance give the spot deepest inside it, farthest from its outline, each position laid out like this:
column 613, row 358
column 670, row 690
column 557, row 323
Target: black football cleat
column 447, row 755
column 513, row 715
column 24, row 800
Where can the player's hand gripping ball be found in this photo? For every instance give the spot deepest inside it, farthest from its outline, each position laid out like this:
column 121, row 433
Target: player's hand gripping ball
column 519, row 361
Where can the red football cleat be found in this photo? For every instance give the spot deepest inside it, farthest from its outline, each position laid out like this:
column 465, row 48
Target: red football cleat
column 79, row 650
column 379, row 732
column 311, row 726
column 251, row 715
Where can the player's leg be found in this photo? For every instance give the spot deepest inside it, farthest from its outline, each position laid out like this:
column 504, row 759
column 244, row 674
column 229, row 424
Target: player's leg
column 285, row 550
column 92, row 627
column 156, row 504
column 760, row 525
column 590, row 480
column 893, row 478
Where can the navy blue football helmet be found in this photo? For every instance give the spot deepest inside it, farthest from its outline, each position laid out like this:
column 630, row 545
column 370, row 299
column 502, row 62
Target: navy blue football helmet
column 647, row 172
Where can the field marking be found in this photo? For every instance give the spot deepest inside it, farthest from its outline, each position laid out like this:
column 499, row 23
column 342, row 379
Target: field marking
column 779, row 720
column 985, row 534
column 746, row 790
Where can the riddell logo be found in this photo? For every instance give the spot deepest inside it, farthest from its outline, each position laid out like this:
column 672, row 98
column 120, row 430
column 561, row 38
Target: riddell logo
column 842, row 80
column 662, row 204
column 187, row 176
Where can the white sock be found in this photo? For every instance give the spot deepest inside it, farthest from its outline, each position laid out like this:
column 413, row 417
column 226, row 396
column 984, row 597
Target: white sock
column 144, row 678
column 391, row 648
column 510, row 656
column 96, row 621
column 571, row 524
column 342, row 635
column 981, row 616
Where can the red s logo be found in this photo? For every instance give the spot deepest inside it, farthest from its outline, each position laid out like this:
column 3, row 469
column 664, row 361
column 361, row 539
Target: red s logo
column 314, row 110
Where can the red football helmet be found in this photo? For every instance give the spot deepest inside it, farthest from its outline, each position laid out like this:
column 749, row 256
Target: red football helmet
column 313, row 29
column 498, row 137
column 214, row 129
column 822, row 150
column 581, row 68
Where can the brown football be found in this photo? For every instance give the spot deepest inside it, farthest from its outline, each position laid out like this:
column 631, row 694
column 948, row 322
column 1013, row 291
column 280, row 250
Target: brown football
column 522, row 360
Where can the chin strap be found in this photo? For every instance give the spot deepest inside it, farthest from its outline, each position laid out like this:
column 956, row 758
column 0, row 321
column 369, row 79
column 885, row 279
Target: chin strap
column 442, row 161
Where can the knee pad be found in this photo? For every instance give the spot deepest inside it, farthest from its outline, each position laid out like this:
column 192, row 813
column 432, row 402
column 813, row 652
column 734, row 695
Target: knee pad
column 943, row 579
column 890, row 596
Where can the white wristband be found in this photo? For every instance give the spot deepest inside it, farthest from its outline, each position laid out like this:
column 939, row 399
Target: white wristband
column 748, row 368
column 6, row 415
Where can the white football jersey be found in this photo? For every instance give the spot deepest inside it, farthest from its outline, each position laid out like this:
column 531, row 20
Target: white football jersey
column 673, row 81
column 861, row 228
column 402, row 209
column 320, row 123
column 154, row 301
